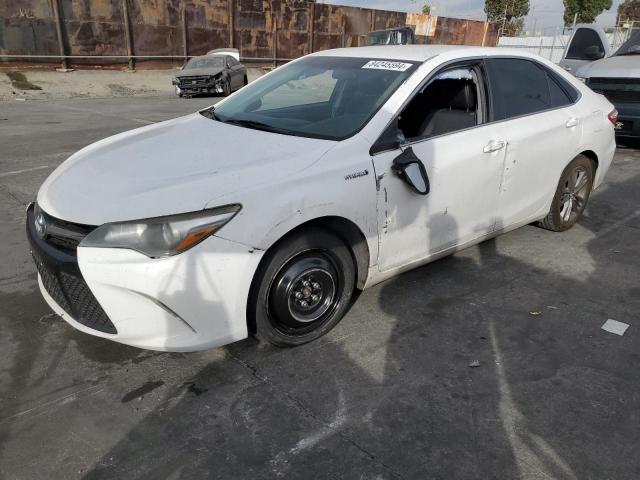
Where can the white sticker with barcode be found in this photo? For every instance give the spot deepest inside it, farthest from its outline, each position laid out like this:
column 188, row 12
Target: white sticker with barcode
column 386, row 65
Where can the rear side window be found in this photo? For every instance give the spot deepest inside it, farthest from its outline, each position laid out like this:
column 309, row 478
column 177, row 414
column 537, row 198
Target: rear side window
column 521, row 87
column 585, row 45
column 518, row 87
column 559, row 97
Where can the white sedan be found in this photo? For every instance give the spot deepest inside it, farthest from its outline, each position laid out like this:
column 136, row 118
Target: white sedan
column 266, row 213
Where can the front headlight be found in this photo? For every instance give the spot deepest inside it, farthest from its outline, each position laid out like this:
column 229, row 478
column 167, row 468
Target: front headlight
column 162, row 236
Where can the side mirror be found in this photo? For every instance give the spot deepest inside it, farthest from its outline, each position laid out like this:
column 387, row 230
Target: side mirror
column 593, row 52
column 409, row 167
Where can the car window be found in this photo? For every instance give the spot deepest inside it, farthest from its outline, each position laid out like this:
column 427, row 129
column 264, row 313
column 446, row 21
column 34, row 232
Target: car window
column 518, row 87
column 319, row 97
column 631, row 46
column 559, row 98
column 448, row 103
column 232, row 61
column 205, row 62
column 585, row 45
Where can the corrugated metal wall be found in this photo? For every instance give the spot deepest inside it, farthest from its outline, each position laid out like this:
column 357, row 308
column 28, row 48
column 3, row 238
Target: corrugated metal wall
column 261, row 29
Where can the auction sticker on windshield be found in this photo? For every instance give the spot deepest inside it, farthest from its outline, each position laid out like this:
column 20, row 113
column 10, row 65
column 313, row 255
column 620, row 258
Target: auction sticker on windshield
column 386, row 65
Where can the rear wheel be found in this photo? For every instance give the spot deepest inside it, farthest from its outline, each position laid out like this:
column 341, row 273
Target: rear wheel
column 303, row 288
column 571, row 195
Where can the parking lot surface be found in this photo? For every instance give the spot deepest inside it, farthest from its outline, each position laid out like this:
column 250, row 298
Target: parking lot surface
column 389, row 393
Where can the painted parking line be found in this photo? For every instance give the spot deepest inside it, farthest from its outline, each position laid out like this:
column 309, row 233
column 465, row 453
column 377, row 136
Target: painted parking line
column 24, row 170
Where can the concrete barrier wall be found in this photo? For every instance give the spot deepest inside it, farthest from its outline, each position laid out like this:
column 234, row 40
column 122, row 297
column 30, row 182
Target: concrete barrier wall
column 260, row 29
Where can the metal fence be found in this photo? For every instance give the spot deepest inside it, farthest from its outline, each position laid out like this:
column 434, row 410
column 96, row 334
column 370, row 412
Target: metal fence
column 117, row 31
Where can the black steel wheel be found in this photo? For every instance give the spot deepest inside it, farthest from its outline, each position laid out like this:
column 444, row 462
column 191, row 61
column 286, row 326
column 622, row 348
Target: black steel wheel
column 571, row 195
column 303, row 288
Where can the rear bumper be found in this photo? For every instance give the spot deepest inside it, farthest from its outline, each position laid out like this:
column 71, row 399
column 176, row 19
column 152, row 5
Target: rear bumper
column 628, row 120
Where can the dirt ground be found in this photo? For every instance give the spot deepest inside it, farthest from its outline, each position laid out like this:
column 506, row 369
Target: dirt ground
column 93, row 83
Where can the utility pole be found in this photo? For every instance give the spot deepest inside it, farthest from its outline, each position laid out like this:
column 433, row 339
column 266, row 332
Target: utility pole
column 504, row 18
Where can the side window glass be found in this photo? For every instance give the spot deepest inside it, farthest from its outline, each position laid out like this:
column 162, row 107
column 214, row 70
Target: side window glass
column 518, row 86
column 447, row 104
column 559, row 97
column 585, row 45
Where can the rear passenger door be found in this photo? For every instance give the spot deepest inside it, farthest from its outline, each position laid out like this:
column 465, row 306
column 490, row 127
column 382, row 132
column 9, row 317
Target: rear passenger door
column 534, row 108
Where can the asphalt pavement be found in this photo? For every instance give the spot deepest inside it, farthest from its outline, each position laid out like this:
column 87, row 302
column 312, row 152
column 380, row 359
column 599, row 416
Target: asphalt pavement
column 389, row 393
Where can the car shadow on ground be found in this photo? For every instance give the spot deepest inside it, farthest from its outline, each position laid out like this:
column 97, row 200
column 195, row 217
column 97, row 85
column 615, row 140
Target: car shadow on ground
column 390, row 393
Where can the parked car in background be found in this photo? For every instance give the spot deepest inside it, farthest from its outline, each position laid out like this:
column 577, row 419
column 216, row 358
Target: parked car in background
column 266, row 213
column 391, row 36
column 217, row 72
column 587, row 44
column 616, row 76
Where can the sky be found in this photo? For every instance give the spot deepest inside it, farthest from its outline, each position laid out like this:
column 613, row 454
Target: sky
column 546, row 15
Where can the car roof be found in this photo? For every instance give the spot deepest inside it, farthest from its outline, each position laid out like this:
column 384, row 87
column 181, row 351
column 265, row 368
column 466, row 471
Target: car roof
column 421, row 53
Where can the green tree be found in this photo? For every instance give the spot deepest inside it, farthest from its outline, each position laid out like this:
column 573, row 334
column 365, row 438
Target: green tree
column 426, row 9
column 587, row 10
column 507, row 14
column 629, row 10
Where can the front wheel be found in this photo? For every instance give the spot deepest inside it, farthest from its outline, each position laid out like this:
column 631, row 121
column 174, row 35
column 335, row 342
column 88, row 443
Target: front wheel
column 571, row 195
column 226, row 88
column 303, row 288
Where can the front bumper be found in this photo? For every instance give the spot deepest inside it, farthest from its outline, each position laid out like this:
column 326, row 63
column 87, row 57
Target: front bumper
column 209, row 86
column 192, row 301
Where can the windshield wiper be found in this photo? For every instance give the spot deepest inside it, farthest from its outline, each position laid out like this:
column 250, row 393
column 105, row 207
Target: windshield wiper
column 259, row 126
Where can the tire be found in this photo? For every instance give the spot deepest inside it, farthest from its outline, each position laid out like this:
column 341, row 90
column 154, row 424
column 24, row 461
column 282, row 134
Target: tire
column 226, row 88
column 245, row 82
column 302, row 289
column 571, row 196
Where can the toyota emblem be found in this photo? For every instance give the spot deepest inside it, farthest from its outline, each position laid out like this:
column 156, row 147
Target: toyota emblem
column 41, row 225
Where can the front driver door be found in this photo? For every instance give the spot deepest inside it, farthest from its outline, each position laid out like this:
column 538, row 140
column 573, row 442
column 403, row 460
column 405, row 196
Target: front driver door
column 464, row 169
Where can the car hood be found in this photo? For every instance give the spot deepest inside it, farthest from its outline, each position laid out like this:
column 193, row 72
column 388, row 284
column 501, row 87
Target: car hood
column 177, row 166
column 194, row 72
column 624, row 66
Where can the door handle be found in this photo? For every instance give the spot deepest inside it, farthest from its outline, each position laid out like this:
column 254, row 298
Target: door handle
column 572, row 122
column 494, row 146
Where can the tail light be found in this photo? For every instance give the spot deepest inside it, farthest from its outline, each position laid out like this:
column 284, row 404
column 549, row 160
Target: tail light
column 613, row 117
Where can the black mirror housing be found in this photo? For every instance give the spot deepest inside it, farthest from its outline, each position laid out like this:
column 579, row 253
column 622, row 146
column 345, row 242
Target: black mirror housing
column 409, row 167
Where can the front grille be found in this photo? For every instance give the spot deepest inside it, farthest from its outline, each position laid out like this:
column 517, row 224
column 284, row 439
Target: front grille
column 197, row 81
column 617, row 90
column 63, row 235
column 72, row 293
column 54, row 253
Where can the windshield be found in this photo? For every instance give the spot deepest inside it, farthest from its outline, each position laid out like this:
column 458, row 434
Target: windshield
column 320, row 97
column 205, row 62
column 379, row 38
column 631, row 46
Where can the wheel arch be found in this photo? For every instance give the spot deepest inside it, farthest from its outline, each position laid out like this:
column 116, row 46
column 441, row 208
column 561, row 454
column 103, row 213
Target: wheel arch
column 343, row 228
column 591, row 155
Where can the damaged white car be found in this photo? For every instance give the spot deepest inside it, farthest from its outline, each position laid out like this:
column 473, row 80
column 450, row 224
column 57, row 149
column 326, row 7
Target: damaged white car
column 266, row 213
